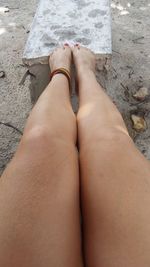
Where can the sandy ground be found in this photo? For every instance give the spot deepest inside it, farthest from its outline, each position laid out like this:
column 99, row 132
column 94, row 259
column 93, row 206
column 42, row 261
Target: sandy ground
column 129, row 71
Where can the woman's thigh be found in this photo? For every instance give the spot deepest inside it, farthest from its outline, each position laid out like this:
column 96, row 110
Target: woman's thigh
column 39, row 206
column 115, row 186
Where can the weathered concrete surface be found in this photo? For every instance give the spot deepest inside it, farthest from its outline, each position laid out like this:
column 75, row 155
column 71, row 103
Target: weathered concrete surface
column 129, row 72
column 77, row 21
column 87, row 22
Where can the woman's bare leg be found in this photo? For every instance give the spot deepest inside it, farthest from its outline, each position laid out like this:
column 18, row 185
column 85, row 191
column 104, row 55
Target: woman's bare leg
column 39, row 191
column 115, row 179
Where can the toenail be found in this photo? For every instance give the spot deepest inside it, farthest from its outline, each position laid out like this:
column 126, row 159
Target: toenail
column 66, row 44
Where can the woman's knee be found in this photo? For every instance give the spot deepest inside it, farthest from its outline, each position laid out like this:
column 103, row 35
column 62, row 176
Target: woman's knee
column 106, row 135
column 40, row 143
column 65, row 129
column 46, row 135
column 113, row 135
column 40, row 148
column 37, row 136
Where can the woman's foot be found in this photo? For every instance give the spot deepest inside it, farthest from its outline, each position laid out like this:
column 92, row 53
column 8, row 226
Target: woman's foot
column 61, row 58
column 84, row 60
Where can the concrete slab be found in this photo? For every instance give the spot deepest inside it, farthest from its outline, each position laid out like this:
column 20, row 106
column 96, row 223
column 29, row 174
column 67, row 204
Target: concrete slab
column 57, row 21
column 87, row 22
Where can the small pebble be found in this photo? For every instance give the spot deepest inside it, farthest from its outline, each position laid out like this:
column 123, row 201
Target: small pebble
column 141, row 94
column 6, row 10
column 139, row 123
column 2, row 74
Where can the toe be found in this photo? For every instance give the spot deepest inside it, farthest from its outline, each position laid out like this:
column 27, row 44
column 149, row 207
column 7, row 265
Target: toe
column 75, row 48
column 67, row 48
column 66, row 45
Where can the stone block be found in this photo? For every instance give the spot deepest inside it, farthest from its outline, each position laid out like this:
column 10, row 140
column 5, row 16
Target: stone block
column 87, row 22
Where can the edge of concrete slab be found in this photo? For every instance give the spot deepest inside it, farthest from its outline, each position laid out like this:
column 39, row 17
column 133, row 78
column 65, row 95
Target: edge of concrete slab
column 44, row 60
